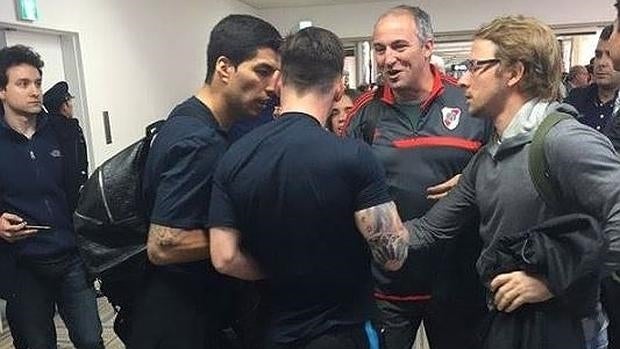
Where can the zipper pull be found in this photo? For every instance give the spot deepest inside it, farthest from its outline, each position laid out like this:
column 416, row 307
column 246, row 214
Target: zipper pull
column 32, row 156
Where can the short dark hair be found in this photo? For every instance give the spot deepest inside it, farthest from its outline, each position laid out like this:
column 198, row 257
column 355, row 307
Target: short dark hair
column 312, row 58
column 238, row 38
column 606, row 32
column 617, row 5
column 15, row 55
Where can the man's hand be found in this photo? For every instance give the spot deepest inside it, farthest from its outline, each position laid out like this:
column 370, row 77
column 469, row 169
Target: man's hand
column 438, row 191
column 385, row 234
column 512, row 290
column 12, row 228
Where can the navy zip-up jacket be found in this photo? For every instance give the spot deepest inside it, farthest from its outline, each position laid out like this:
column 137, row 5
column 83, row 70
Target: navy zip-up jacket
column 32, row 186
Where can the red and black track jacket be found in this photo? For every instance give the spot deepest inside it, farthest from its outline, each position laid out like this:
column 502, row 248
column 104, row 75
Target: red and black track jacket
column 416, row 157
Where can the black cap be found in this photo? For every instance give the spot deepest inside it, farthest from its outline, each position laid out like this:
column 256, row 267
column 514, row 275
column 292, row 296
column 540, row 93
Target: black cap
column 56, row 96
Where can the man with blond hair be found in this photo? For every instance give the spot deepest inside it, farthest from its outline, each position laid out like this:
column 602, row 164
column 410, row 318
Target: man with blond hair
column 513, row 80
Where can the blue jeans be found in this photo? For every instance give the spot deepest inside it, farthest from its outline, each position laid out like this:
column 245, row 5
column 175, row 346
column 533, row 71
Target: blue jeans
column 595, row 330
column 43, row 286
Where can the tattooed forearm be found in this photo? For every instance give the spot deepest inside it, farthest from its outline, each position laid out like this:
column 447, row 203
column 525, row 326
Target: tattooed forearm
column 389, row 250
column 167, row 245
column 384, row 231
column 164, row 236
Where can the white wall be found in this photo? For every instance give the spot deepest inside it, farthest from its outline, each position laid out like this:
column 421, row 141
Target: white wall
column 140, row 57
column 356, row 20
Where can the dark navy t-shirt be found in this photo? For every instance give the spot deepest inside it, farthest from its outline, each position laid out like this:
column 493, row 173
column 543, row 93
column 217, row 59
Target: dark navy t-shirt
column 178, row 172
column 291, row 188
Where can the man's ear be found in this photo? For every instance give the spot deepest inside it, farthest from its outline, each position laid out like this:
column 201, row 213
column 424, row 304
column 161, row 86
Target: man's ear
column 64, row 107
column 224, row 69
column 515, row 74
column 279, row 82
column 428, row 48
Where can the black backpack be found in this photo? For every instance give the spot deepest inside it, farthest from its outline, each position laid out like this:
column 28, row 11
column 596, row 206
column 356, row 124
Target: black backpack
column 111, row 225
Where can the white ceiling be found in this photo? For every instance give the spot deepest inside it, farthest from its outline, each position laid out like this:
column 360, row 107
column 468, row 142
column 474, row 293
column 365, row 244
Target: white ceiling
column 262, row 4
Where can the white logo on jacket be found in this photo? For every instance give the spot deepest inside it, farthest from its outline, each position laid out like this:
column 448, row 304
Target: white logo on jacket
column 451, row 117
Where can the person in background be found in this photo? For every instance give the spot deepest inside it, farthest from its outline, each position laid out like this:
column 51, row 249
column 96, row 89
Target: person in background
column 338, row 115
column 306, row 210
column 577, row 77
column 59, row 104
column 597, row 103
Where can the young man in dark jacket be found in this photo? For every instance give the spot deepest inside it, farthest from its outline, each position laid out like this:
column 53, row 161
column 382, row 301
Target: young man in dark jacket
column 36, row 229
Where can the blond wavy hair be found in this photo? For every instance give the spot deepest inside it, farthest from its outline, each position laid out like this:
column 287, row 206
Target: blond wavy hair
column 533, row 43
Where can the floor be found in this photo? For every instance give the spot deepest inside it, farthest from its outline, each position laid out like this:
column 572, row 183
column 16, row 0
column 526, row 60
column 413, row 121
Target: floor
column 111, row 341
column 107, row 319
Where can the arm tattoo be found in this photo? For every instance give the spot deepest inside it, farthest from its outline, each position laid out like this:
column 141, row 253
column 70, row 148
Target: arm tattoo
column 164, row 236
column 384, row 231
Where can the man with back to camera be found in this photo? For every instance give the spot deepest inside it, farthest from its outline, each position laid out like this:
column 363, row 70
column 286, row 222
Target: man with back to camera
column 597, row 103
column 185, row 302
column 288, row 200
column 513, row 80
column 338, row 116
column 41, row 267
column 423, row 136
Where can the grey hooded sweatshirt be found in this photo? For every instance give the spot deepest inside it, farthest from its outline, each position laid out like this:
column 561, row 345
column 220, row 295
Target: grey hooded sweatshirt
column 496, row 185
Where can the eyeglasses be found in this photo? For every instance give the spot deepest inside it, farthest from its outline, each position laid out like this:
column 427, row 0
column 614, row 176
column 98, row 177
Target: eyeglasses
column 473, row 65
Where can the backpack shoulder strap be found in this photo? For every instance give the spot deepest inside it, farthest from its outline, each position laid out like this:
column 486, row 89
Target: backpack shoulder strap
column 152, row 129
column 538, row 165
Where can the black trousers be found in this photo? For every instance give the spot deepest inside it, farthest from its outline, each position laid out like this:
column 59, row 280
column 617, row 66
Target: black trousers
column 610, row 297
column 177, row 312
column 447, row 326
column 362, row 336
